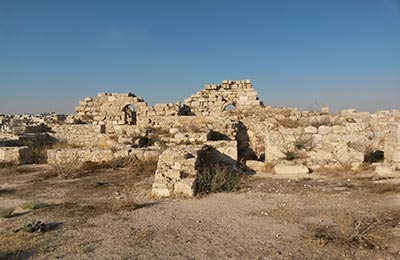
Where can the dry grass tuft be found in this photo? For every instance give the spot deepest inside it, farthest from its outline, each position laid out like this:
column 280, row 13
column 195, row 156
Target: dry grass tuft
column 32, row 205
column 357, row 231
column 6, row 212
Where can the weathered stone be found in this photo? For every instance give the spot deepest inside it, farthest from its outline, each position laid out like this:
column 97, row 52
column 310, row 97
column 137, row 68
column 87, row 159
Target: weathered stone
column 185, row 187
column 15, row 155
column 387, row 170
column 310, row 130
column 257, row 166
column 78, row 155
column 290, row 169
column 324, row 130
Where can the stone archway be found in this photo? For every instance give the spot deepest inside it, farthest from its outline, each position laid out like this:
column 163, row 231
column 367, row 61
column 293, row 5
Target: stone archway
column 130, row 113
column 230, row 107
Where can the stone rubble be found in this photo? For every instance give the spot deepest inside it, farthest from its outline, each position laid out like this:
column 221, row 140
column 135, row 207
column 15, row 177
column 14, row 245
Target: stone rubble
column 227, row 116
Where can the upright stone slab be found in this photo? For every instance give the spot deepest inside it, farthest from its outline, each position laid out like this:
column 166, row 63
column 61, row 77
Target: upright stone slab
column 392, row 144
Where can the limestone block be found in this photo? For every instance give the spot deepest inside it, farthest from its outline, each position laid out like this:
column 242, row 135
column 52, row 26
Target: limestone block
column 325, row 110
column 160, row 190
column 348, row 111
column 185, row 187
column 320, row 155
column 16, row 155
column 387, row 170
column 290, row 169
column 257, row 166
column 310, row 130
column 344, row 154
column 392, row 143
column 228, row 148
column 78, row 155
column 324, row 130
column 338, row 129
column 173, row 174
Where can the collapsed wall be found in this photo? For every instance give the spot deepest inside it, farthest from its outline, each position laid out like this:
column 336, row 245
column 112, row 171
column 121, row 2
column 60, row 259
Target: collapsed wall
column 111, row 108
column 178, row 167
column 215, row 98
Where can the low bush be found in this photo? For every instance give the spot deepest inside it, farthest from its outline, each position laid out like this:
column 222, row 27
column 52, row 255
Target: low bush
column 31, row 205
column 290, row 155
column 6, row 212
column 217, row 178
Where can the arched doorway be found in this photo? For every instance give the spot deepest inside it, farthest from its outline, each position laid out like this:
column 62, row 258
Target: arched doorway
column 130, row 114
column 230, row 107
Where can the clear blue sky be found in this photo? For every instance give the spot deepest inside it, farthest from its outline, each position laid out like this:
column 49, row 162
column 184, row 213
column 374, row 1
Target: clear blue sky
column 338, row 53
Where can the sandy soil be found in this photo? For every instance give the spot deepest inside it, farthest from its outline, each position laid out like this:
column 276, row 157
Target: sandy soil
column 109, row 214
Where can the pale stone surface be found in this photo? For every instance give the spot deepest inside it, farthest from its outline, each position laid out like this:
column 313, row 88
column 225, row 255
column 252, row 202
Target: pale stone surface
column 215, row 98
column 185, row 187
column 78, row 155
column 17, row 155
column 392, row 144
column 324, row 130
column 387, row 170
column 348, row 155
column 310, row 130
column 257, row 166
column 289, row 169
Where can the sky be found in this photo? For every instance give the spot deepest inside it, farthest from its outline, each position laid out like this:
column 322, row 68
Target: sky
column 298, row 53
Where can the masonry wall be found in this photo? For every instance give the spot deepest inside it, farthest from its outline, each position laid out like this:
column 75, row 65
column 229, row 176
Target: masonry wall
column 79, row 135
column 214, row 98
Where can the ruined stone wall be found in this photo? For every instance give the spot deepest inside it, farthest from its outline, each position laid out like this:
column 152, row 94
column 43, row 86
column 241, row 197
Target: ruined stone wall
column 79, row 135
column 215, row 98
column 345, row 139
column 178, row 166
column 110, row 108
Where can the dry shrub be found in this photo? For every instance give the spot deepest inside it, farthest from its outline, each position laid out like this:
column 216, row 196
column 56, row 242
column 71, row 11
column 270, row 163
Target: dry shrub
column 137, row 166
column 124, row 205
column 32, row 205
column 217, row 178
column 67, row 165
column 358, row 231
column 4, row 165
column 6, row 212
column 381, row 188
column 90, row 166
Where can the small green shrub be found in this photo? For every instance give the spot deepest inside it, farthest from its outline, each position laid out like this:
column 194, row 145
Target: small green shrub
column 291, row 155
column 6, row 212
column 34, row 226
column 31, row 205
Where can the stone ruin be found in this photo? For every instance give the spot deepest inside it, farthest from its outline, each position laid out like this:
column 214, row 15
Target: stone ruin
column 215, row 98
column 293, row 142
column 111, row 108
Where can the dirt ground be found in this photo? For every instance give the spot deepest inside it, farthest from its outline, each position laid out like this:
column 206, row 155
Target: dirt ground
column 109, row 214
